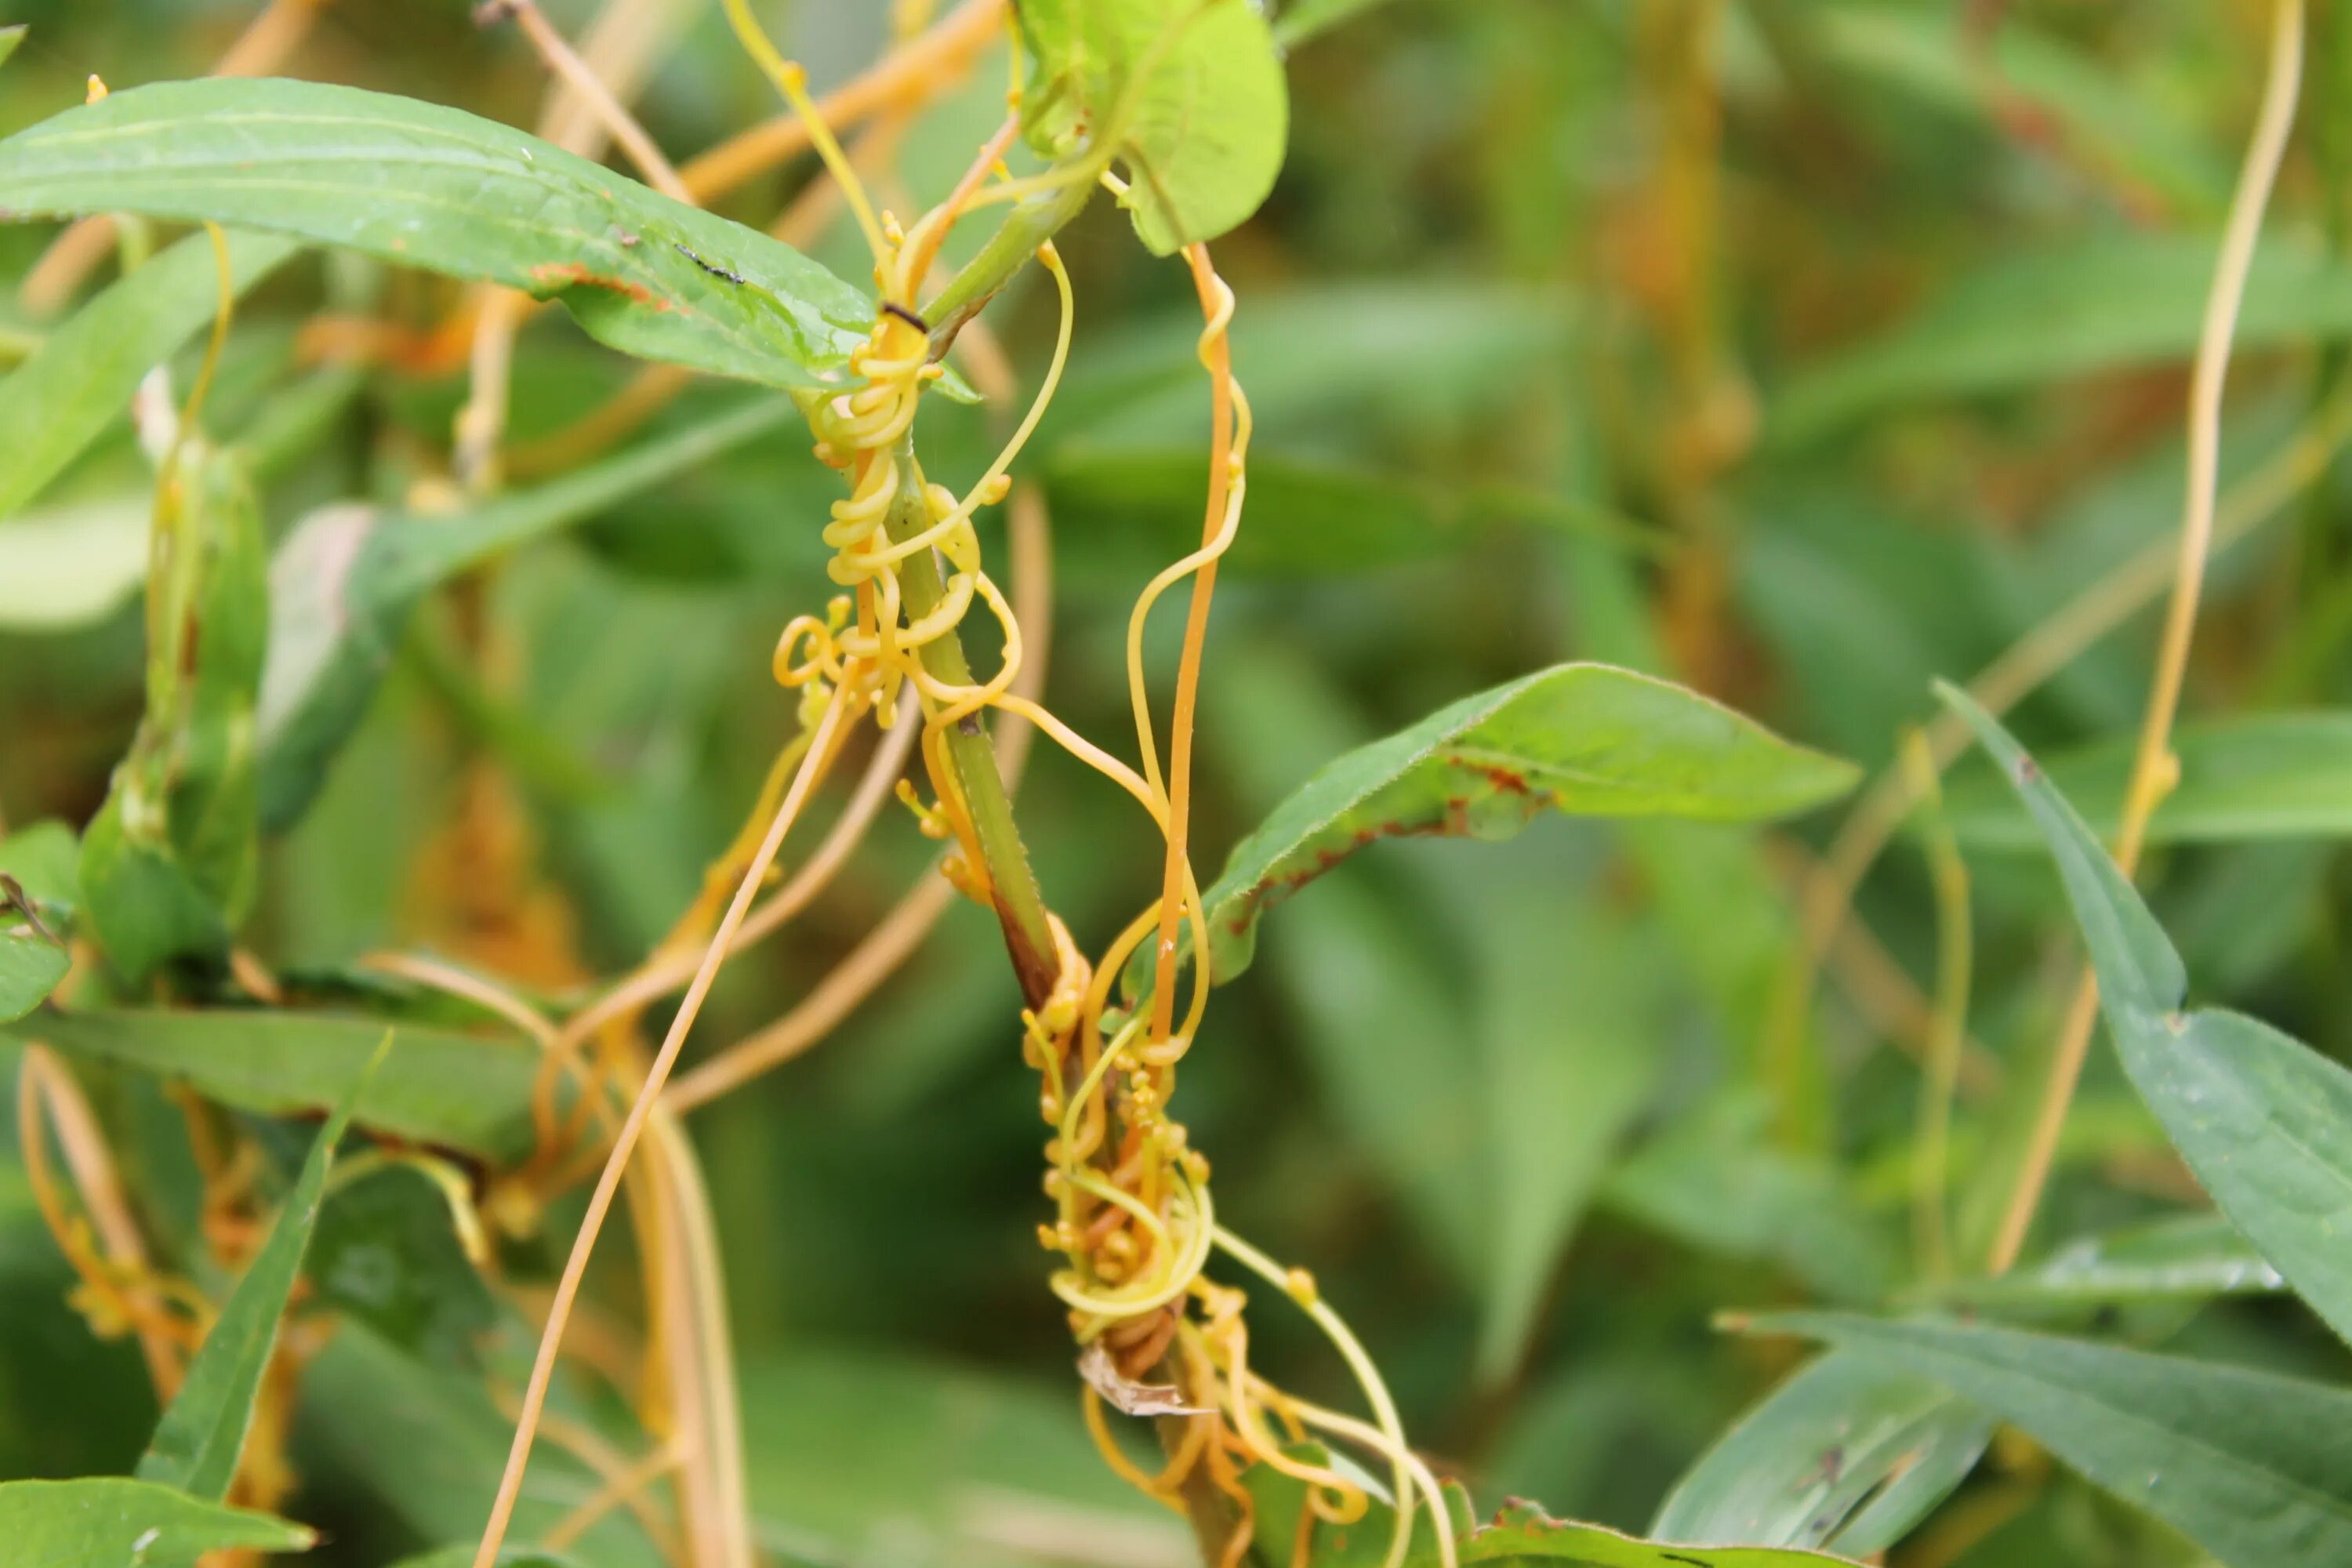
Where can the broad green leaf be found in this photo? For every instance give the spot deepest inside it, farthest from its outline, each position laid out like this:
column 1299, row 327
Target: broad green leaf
column 1188, row 91
column 458, row 1092
column 2106, row 304
column 203, row 1431
column 2191, row 1258
column 169, row 864
column 72, row 566
column 1522, row 1533
column 106, row 1521
column 1584, row 739
column 424, row 185
column 82, row 377
column 2254, row 1468
column 345, row 580
column 1849, row 1454
column 9, row 38
column 2260, row 776
column 2263, row 1121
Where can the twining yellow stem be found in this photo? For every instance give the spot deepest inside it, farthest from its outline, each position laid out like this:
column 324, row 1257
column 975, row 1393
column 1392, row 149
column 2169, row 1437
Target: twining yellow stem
column 1948, row 1031
column 1216, row 305
column 600, row 1201
column 2154, row 768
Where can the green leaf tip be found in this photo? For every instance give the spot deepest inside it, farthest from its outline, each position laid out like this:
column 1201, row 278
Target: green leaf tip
column 201, row 1433
column 2137, row 965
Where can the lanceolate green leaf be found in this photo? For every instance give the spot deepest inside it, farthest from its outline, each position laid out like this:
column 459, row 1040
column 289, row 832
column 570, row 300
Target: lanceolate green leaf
column 1191, row 90
column 1522, row 1533
column 2263, row 1121
column 197, row 1444
column 2261, row 775
column 458, row 1092
column 2028, row 321
column 425, row 185
column 2254, row 1468
column 2189, row 1259
column 1584, row 739
column 462, row 1556
column 9, row 38
column 105, row 1522
column 168, row 866
column 82, row 377
column 344, row 581
column 1849, row 1453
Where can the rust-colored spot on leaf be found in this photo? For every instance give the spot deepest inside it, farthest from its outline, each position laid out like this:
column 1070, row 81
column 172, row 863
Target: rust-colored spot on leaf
column 552, row 276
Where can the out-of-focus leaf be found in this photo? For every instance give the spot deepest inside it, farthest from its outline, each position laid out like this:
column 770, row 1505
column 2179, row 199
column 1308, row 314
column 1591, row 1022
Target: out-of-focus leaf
column 831, row 1436
column 1848, row 1454
column 345, row 580
column 9, row 38
column 429, row 1444
column 2263, row 1121
column 1569, row 1018
column 424, row 185
column 1580, row 738
column 169, row 864
column 1304, row 518
column 1191, row 90
column 2106, row 304
column 1303, row 19
column 2191, row 1259
column 197, row 1442
column 106, row 1521
column 385, row 1254
column 458, row 1092
column 2246, row 1464
column 2261, row 775
column 71, row 566
column 1714, row 1181
column 1521, row 1534
column 1928, row 55
column 82, row 377
column 1414, row 353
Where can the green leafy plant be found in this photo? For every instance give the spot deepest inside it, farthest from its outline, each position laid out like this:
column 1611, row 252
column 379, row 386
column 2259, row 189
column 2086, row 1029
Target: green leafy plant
column 519, row 698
